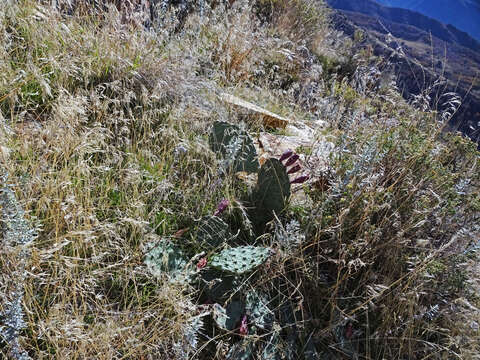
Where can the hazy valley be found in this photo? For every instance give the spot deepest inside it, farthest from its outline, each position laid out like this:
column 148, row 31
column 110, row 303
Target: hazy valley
column 425, row 54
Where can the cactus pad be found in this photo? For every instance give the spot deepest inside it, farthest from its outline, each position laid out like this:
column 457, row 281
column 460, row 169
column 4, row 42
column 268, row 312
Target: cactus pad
column 167, row 258
column 228, row 318
column 241, row 259
column 257, row 310
column 235, row 145
column 241, row 351
column 273, row 347
column 217, row 286
column 212, row 232
column 272, row 191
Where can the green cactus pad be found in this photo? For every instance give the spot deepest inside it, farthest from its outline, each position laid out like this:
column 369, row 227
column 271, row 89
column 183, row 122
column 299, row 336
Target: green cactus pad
column 235, row 146
column 309, row 350
column 212, row 232
column 167, row 258
column 217, row 286
column 257, row 310
column 347, row 346
column 228, row 318
column 272, row 190
column 273, row 347
column 242, row 351
column 240, row 260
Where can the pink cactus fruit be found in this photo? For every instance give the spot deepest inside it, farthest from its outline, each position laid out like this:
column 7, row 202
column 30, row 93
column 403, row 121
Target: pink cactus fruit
column 294, row 169
column 349, row 331
column 243, row 326
column 299, row 180
column 202, row 263
column 222, row 205
column 292, row 160
column 286, row 155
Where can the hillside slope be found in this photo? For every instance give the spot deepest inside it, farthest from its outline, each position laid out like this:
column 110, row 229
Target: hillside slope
column 463, row 14
column 422, row 58
column 401, row 15
column 224, row 180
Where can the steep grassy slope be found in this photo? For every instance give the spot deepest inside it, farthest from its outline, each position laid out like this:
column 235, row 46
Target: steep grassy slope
column 106, row 144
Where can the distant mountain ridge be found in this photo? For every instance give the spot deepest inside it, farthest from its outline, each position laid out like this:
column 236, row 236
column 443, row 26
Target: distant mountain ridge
column 444, row 32
column 421, row 51
column 463, row 14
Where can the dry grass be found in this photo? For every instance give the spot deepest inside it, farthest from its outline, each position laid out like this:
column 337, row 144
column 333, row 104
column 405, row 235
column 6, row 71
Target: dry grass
column 104, row 137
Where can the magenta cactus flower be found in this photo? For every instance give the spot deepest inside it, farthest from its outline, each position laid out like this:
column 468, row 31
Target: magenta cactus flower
column 294, row 169
column 292, row 160
column 286, row 155
column 300, row 180
column 222, row 205
column 202, row 263
column 243, row 326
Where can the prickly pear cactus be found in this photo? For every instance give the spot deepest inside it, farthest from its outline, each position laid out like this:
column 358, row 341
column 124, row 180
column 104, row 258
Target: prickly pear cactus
column 240, row 260
column 216, row 286
column 212, row 232
column 191, row 331
column 309, row 350
column 273, row 347
column 242, row 351
column 236, row 147
column 166, row 258
column 257, row 309
column 228, row 318
column 345, row 341
column 272, row 190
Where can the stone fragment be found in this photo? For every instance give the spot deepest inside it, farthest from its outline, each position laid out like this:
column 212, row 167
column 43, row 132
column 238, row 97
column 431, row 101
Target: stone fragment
column 255, row 112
